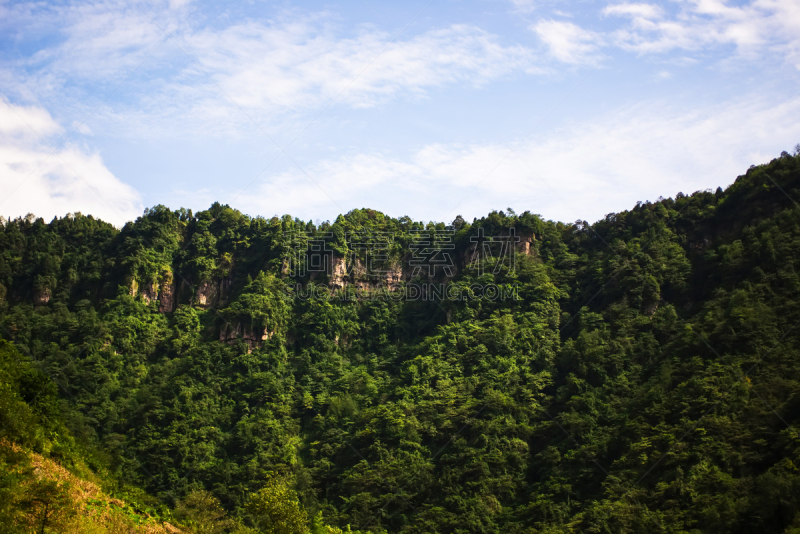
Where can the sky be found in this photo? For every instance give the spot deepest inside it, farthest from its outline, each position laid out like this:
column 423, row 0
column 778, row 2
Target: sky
column 431, row 109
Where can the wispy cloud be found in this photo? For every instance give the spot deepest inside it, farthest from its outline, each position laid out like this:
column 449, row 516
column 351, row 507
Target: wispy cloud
column 568, row 42
column 620, row 157
column 754, row 29
column 291, row 66
column 88, row 42
column 524, row 6
column 274, row 69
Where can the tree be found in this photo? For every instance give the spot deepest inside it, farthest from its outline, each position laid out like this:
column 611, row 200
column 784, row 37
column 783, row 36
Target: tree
column 47, row 505
column 201, row 512
column 276, row 509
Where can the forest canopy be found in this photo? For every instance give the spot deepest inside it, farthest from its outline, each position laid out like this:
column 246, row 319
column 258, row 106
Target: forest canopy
column 638, row 374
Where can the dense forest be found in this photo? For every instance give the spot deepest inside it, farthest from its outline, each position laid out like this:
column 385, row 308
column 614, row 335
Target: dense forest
column 638, row 374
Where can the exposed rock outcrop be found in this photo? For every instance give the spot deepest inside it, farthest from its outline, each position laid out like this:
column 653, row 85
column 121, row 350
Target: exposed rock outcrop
column 207, row 293
column 525, row 245
column 41, row 296
column 253, row 338
column 149, row 293
column 393, row 277
column 213, row 292
column 225, row 288
column 339, row 275
column 354, row 272
column 357, row 275
column 167, row 296
column 164, row 292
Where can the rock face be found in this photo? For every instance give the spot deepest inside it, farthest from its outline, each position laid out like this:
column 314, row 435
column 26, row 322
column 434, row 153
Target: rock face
column 213, row 292
column 525, row 243
column 207, row 293
column 339, row 275
column 164, row 292
column 354, row 272
column 149, row 293
column 166, row 298
column 42, row 296
column 225, row 288
column 393, row 277
column 359, row 276
column 252, row 338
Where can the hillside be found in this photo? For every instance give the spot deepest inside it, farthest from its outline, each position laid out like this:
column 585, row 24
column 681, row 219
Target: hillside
column 37, row 492
column 638, row 374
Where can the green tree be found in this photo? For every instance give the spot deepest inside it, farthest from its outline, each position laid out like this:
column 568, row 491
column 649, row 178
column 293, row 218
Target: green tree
column 276, row 509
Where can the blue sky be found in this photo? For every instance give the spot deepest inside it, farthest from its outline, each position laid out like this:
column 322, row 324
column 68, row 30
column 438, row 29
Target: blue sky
column 429, row 109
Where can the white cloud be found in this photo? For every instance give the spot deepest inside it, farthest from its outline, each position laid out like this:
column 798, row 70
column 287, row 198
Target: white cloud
column 295, row 66
column 643, row 11
column 568, row 42
column 756, row 29
column 25, row 123
column 274, row 69
column 46, row 183
column 524, row 6
column 280, row 72
column 177, row 4
column 81, row 128
column 96, row 41
column 580, row 172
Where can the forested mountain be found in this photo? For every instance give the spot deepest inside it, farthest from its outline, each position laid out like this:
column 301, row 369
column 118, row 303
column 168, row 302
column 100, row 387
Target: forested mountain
column 639, row 374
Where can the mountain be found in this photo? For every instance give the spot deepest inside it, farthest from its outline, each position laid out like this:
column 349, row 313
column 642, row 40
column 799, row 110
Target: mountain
column 509, row 374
